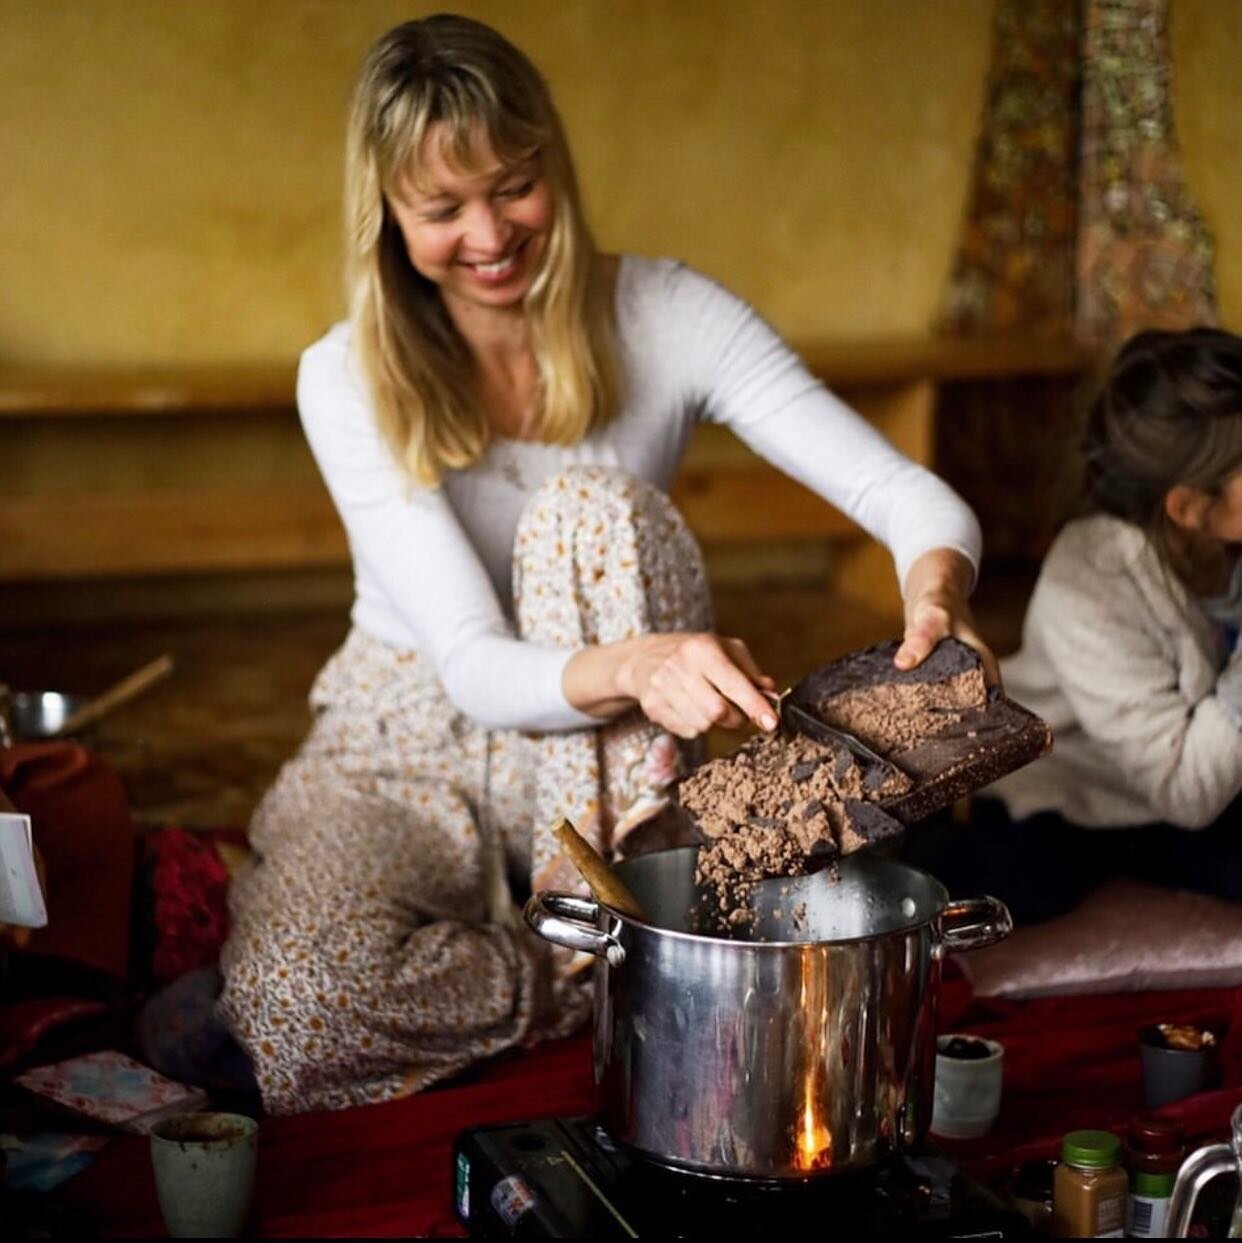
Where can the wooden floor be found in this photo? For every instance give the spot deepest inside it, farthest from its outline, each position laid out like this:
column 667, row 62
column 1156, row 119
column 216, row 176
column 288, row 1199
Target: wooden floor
column 200, row 749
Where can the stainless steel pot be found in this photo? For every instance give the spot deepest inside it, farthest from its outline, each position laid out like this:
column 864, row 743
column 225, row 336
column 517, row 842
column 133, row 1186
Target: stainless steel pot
column 807, row 1048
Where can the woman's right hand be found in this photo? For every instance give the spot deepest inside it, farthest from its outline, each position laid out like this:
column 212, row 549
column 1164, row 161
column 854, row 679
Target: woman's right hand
column 683, row 682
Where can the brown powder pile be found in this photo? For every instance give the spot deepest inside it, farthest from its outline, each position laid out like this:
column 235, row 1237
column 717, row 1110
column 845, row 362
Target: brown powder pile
column 783, row 806
column 779, row 807
column 903, row 708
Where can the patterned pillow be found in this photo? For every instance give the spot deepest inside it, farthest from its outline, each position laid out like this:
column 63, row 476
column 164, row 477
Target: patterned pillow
column 1127, row 936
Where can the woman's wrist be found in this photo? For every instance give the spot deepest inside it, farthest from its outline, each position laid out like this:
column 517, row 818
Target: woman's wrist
column 937, row 606
column 599, row 680
column 940, row 575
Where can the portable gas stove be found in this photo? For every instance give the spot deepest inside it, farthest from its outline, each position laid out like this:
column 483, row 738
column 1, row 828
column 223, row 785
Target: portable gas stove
column 564, row 1178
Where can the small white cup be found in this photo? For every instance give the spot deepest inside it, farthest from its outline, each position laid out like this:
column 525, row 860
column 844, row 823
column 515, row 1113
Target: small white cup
column 204, row 1173
column 968, row 1090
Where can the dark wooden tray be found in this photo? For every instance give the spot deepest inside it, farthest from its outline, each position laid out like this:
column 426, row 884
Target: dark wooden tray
column 973, row 750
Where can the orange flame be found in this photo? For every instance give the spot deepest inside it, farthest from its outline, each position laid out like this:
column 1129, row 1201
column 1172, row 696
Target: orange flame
column 814, row 1140
column 814, row 1150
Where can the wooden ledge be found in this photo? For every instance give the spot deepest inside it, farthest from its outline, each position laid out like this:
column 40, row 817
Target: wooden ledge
column 866, row 364
column 57, row 391
column 32, row 392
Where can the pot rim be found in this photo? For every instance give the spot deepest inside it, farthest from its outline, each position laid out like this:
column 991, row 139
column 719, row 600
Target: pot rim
column 676, row 933
column 939, row 890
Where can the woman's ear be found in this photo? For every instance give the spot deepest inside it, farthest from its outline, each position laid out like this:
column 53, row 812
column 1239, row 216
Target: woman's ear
column 1187, row 507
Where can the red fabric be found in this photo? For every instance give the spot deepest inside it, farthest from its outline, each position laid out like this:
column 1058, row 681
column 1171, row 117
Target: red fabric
column 385, row 1171
column 189, row 895
column 24, row 1023
column 82, row 827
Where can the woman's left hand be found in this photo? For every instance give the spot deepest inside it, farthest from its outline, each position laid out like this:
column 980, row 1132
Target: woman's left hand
column 937, row 591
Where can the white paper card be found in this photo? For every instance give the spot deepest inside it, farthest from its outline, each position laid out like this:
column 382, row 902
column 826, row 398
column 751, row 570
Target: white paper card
column 21, row 896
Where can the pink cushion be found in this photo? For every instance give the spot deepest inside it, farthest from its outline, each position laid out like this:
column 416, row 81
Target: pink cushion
column 1127, row 936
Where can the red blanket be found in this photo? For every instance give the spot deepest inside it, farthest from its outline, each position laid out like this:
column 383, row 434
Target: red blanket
column 385, row 1170
column 82, row 826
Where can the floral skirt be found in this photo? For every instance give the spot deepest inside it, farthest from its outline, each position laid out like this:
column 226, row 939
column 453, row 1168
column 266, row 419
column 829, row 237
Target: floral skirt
column 375, row 946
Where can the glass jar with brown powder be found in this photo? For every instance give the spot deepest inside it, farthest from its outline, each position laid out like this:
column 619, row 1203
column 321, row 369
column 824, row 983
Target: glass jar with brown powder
column 1089, row 1188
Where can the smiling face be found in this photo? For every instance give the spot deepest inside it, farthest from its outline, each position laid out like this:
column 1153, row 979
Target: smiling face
column 479, row 230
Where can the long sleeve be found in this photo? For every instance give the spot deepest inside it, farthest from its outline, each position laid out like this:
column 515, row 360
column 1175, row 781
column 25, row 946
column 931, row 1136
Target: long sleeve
column 409, row 542
column 432, row 565
column 749, row 379
column 1127, row 661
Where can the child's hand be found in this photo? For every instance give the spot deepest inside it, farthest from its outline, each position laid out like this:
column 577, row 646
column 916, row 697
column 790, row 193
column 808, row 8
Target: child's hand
column 937, row 608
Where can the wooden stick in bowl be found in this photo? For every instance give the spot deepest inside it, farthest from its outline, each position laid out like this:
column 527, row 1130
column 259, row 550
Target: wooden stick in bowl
column 605, row 884
column 121, row 693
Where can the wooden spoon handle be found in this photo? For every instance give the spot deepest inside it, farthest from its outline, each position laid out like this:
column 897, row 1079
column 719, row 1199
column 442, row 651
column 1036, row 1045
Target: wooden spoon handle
column 122, row 692
column 605, row 884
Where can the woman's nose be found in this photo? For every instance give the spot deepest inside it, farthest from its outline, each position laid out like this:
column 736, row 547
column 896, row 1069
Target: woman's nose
column 488, row 230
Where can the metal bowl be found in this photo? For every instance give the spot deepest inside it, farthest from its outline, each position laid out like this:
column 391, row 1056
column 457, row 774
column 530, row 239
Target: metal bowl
column 40, row 714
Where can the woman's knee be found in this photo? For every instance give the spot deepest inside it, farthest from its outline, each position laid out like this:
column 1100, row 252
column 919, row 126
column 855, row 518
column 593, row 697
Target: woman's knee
column 617, row 549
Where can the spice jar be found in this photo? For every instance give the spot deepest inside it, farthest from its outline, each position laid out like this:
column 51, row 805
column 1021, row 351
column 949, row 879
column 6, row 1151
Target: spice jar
column 1090, row 1187
column 1155, row 1148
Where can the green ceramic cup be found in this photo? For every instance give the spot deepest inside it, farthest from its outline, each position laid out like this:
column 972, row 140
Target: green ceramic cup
column 204, row 1173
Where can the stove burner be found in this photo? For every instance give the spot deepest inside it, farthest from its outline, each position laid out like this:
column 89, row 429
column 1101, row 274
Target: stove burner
column 565, row 1178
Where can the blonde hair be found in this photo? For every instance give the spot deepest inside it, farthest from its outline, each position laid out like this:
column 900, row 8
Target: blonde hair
column 417, row 366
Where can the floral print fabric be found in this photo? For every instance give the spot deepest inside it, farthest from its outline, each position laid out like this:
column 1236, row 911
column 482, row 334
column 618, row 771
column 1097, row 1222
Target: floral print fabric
column 375, row 946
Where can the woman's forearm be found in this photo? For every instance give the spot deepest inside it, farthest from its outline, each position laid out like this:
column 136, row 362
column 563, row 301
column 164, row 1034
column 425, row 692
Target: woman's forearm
column 595, row 678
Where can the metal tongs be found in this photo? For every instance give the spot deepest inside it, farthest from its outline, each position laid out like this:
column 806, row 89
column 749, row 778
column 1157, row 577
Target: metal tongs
column 795, row 719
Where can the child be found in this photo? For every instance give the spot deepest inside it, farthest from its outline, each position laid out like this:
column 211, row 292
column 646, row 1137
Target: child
column 1129, row 652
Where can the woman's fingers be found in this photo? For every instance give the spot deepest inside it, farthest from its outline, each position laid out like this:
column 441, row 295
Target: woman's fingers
column 704, row 680
column 732, row 671
column 991, row 666
column 929, row 623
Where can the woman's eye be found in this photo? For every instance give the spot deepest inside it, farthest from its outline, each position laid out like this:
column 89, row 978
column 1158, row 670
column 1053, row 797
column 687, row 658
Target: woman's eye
column 439, row 215
column 519, row 190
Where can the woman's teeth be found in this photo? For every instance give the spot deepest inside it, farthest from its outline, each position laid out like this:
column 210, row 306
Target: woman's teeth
column 499, row 268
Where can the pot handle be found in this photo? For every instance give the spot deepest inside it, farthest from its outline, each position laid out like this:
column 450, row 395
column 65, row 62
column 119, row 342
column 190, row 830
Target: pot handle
column 565, row 919
column 971, row 923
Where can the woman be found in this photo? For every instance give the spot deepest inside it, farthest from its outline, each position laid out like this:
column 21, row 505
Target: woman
column 498, row 424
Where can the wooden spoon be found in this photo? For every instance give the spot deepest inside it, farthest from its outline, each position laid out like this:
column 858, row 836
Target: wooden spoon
column 605, row 884
column 121, row 693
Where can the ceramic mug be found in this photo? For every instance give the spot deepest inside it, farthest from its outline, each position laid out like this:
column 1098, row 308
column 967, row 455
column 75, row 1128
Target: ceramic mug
column 204, row 1173
column 967, row 1094
column 1171, row 1073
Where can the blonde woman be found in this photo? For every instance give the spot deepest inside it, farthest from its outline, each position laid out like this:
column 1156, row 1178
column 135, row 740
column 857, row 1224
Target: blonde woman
column 498, row 424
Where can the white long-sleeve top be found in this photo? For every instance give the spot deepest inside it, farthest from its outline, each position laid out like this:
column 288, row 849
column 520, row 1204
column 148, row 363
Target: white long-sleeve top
column 1137, row 682
column 432, row 566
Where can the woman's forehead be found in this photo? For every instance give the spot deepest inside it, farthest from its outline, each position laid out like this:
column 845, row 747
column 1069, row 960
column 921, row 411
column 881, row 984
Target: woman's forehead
column 450, row 156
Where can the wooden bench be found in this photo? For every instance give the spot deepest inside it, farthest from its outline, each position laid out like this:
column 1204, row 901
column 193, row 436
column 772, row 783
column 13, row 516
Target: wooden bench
column 150, row 474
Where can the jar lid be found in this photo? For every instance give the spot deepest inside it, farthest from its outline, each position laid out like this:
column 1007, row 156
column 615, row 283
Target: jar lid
column 1092, row 1149
column 1157, row 1136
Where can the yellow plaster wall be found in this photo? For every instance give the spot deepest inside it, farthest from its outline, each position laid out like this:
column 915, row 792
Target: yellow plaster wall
column 1207, row 50
column 171, row 167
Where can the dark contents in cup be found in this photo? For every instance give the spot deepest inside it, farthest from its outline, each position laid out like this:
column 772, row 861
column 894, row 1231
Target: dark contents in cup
column 967, row 1048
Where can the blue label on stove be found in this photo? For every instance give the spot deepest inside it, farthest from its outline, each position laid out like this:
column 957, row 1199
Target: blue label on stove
column 463, row 1186
column 511, row 1197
